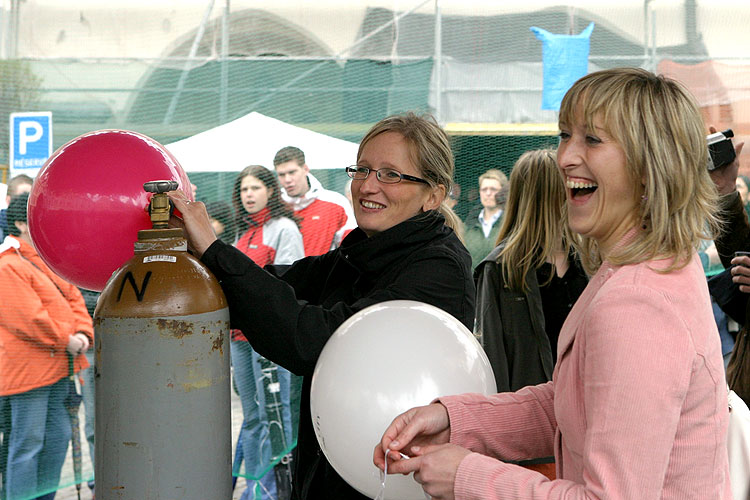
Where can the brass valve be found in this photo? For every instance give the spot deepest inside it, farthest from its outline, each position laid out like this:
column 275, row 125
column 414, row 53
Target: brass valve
column 160, row 207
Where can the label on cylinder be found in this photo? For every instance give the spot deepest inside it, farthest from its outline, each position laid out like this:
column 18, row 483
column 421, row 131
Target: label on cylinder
column 159, row 258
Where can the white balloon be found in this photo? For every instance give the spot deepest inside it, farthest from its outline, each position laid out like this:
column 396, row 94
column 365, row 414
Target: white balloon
column 382, row 361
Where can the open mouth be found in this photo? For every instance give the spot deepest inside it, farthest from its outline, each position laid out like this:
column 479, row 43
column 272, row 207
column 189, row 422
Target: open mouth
column 580, row 188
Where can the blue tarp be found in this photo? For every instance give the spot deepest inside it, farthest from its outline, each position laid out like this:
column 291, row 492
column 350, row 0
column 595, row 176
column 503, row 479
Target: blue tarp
column 565, row 59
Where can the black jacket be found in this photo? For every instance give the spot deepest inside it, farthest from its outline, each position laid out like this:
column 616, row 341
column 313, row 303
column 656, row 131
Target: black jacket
column 510, row 327
column 288, row 313
column 735, row 236
column 511, row 324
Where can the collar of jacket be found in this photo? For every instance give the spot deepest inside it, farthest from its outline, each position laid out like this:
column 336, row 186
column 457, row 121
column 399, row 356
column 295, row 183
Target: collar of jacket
column 312, row 194
column 495, row 253
column 258, row 218
column 10, row 242
column 393, row 244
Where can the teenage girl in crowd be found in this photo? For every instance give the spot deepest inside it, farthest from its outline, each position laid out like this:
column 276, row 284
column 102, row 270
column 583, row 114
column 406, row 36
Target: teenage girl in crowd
column 527, row 285
column 267, row 235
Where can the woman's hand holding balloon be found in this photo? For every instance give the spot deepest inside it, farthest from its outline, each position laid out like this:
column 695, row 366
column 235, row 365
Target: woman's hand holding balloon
column 434, row 467
column 418, row 427
column 195, row 222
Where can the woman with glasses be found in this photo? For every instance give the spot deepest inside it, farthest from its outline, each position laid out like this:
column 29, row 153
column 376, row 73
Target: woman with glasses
column 267, row 234
column 403, row 248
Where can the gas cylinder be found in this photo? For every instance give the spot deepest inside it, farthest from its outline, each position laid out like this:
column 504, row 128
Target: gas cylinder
column 163, row 425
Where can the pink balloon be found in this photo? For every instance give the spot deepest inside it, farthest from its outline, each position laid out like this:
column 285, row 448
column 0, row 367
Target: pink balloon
column 88, row 204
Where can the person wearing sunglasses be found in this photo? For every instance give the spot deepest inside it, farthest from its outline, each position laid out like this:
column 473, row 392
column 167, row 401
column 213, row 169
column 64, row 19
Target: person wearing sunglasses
column 403, row 248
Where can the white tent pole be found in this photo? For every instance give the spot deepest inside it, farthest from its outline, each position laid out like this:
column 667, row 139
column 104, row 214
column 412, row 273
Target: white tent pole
column 652, row 65
column 438, row 62
column 646, row 31
column 224, row 63
column 185, row 69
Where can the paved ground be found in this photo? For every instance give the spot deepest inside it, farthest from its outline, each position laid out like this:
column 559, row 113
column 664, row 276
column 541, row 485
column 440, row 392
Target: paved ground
column 70, row 493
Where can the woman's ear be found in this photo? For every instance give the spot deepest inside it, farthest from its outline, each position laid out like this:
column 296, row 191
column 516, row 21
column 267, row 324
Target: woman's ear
column 437, row 195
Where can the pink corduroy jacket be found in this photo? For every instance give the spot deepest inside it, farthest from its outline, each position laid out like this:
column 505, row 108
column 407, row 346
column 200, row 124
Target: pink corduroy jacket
column 636, row 409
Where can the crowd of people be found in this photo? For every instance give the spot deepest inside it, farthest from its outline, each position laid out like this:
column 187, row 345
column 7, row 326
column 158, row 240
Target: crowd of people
column 45, row 329
column 579, row 275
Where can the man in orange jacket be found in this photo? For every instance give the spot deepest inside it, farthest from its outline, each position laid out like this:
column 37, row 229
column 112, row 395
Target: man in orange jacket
column 44, row 321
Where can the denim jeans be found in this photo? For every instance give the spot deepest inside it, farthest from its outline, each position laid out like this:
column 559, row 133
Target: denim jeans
column 255, row 432
column 38, row 441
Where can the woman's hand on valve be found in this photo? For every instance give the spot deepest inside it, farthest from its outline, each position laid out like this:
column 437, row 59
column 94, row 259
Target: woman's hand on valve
column 195, row 222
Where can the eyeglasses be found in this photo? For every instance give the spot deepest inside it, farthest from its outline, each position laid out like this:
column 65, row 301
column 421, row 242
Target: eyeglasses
column 384, row 175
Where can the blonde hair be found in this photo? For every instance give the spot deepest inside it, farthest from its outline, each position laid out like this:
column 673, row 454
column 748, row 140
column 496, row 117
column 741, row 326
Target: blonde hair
column 534, row 227
column 430, row 151
column 659, row 127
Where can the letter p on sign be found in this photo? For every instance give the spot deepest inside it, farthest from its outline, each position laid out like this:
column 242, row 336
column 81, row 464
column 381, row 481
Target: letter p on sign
column 29, row 132
column 30, row 142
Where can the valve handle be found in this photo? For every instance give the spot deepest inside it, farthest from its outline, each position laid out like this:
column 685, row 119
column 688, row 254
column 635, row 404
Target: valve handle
column 160, row 186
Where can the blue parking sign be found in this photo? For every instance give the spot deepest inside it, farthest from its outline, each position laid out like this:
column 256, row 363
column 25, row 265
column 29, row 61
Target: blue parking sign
column 30, row 141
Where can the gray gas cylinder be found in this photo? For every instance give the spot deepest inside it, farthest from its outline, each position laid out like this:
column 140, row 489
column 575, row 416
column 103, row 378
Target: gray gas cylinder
column 163, row 427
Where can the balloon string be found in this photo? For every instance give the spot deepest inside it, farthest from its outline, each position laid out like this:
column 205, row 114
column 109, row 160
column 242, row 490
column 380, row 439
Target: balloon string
column 384, row 475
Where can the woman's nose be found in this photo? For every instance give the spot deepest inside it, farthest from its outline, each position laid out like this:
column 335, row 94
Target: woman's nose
column 371, row 183
column 568, row 155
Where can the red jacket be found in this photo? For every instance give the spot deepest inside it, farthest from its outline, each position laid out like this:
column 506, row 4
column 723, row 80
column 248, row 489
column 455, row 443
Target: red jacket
column 325, row 216
column 270, row 241
column 36, row 320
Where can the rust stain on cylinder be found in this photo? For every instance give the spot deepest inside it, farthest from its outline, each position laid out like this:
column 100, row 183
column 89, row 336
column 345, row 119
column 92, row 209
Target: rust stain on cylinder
column 218, row 344
column 174, row 327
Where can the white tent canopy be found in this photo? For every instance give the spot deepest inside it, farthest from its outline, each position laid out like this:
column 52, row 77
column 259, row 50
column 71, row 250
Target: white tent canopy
column 254, row 139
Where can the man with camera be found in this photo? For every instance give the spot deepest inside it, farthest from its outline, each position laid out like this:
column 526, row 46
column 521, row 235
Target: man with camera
column 733, row 245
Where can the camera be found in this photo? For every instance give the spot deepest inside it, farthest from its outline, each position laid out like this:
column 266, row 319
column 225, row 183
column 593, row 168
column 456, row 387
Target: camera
column 720, row 149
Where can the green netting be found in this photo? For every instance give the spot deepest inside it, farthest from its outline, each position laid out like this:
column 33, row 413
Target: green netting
column 172, row 69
